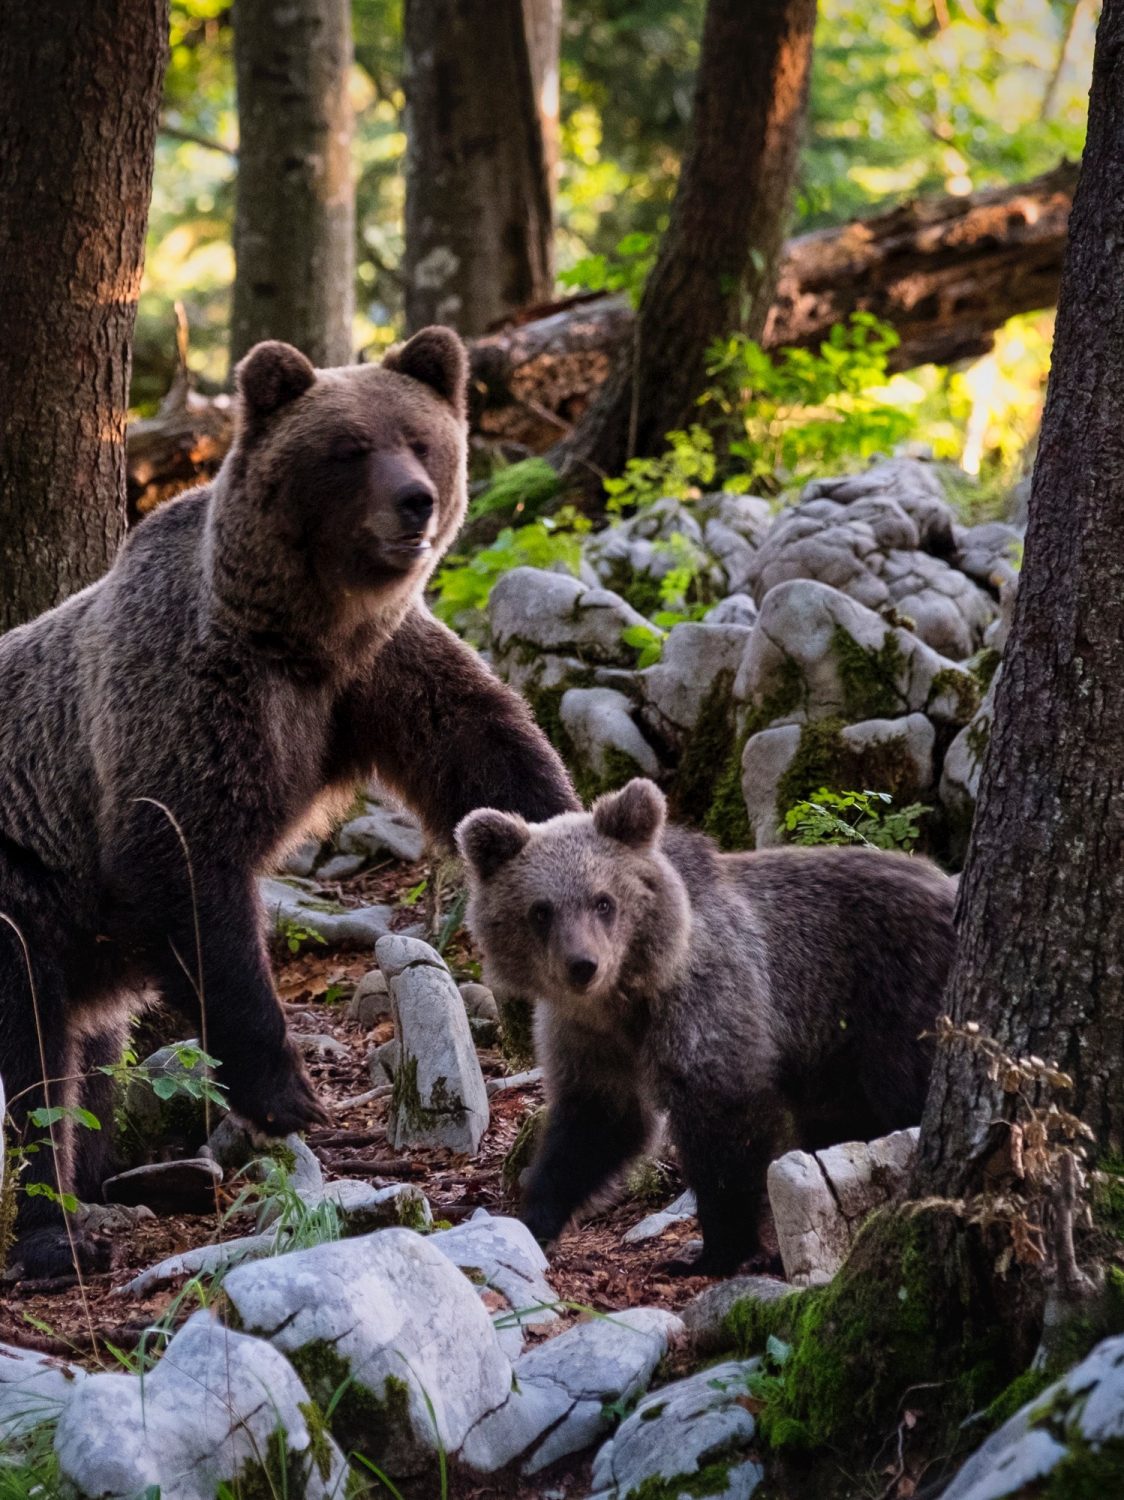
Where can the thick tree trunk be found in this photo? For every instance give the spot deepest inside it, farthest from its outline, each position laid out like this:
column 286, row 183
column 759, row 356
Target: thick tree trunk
column 79, row 99
column 478, row 200
column 294, row 223
column 542, row 23
column 720, row 257
column 1041, row 910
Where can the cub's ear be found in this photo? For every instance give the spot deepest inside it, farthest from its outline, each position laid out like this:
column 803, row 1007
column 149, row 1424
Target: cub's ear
column 437, row 358
column 635, row 815
column 488, row 839
column 272, row 375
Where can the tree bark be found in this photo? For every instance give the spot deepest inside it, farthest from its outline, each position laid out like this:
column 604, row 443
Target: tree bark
column 294, row 222
column 719, row 259
column 79, row 100
column 478, row 199
column 1041, row 909
column 542, row 23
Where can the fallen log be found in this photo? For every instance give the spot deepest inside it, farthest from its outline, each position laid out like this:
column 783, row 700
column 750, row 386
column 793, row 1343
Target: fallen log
column 945, row 272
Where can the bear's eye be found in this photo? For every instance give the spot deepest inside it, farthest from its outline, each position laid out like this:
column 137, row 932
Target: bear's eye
column 541, row 914
column 604, row 906
column 419, row 449
column 346, row 449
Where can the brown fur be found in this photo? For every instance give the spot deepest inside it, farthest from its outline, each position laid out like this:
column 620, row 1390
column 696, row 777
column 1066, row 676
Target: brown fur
column 743, row 993
column 259, row 648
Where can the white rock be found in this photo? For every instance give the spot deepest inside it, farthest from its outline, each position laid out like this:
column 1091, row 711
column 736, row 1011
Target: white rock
column 600, row 725
column 963, row 765
column 363, row 1207
column 676, row 1432
column 698, row 660
column 370, row 1001
column 684, row 1207
column 301, row 860
column 203, row 1261
column 1085, row 1406
column 206, row 1415
column 735, row 609
column 550, row 612
column 340, row 867
column 562, row 1387
column 502, row 1255
column 34, row 1388
column 287, row 907
column 383, row 830
column 514, row 1081
column 820, row 1201
column 705, row 1316
column 768, row 755
column 439, row 1099
column 396, row 1315
column 479, row 1001
column 794, row 654
column 915, row 486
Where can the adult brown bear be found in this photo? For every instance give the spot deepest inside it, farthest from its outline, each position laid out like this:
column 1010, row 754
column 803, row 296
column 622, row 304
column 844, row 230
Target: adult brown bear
column 259, row 647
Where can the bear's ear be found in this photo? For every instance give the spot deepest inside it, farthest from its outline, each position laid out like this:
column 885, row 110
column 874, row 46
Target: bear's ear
column 272, row 375
column 487, row 839
column 437, row 358
column 635, row 815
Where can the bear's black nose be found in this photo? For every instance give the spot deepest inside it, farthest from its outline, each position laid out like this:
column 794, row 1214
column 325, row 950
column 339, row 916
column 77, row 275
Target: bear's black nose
column 582, row 971
column 414, row 505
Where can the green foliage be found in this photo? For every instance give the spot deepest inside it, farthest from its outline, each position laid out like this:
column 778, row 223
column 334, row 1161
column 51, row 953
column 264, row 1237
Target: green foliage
column 854, row 818
column 520, row 490
column 295, row 935
column 463, row 585
column 682, row 473
column 186, row 1080
column 625, row 272
column 788, row 416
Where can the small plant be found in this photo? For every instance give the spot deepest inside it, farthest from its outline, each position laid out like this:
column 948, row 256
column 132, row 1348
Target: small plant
column 626, row 271
column 521, row 490
column 295, row 934
column 800, row 412
column 853, row 818
column 684, row 472
column 464, row 585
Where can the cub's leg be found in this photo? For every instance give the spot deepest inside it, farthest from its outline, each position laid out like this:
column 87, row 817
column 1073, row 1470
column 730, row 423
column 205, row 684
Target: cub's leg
column 598, row 1121
column 34, row 1044
column 93, row 1148
column 725, row 1151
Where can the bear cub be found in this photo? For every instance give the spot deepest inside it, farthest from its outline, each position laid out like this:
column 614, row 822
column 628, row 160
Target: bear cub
column 749, row 995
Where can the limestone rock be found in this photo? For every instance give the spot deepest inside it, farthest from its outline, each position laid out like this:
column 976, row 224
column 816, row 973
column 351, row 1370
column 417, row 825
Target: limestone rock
column 607, row 745
column 186, row 1186
column 815, row 653
column 290, row 907
column 820, row 1201
column 502, row 1256
column 479, row 1001
column 149, row 1126
column 205, row 1260
column 911, row 484
column 340, row 867
column 370, row 1001
column 675, row 1436
column 209, row 1414
column 1031, row 1455
column 363, row 1207
column 963, row 764
column 34, row 1388
column 698, row 661
column 439, row 1095
column 705, row 1316
column 735, row 609
column 683, row 1207
column 392, row 1313
column 382, row 830
column 562, row 1387
column 893, row 755
column 533, row 611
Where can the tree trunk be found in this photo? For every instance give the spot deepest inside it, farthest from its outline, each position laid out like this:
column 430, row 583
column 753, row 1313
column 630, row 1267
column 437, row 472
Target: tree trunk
column 720, row 257
column 542, row 23
column 294, row 222
column 478, row 200
column 80, row 93
column 1041, row 910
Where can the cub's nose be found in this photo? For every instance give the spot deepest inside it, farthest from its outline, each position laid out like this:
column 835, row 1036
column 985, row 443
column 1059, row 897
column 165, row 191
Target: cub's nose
column 414, row 505
column 581, row 971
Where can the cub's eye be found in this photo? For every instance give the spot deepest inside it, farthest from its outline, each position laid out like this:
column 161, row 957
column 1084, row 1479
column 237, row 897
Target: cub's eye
column 541, row 914
column 604, row 906
column 347, row 449
column 420, row 449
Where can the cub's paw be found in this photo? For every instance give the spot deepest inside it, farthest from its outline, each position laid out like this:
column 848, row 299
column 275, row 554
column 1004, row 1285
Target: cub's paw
column 279, row 1100
column 705, row 1263
column 44, row 1254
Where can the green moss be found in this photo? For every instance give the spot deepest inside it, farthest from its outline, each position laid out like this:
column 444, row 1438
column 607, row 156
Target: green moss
column 1108, row 1195
column 869, row 677
column 359, row 1419
column 1014, row 1397
column 282, row 1471
column 517, row 1032
column 711, row 741
column 961, row 687
column 978, row 736
column 406, row 1103
column 984, row 665
column 714, row 1479
column 823, row 758
column 523, row 1149
column 9, row 1203
column 1087, row 1472
column 319, row 1438
column 727, row 818
column 905, row 1310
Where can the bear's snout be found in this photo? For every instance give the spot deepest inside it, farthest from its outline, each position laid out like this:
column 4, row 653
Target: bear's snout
column 413, row 504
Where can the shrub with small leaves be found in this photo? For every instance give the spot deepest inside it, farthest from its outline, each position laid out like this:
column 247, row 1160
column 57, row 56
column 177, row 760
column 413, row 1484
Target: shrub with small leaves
column 853, row 818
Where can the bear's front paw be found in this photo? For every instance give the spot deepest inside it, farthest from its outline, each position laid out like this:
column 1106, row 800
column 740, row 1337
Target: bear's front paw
column 47, row 1253
column 279, row 1100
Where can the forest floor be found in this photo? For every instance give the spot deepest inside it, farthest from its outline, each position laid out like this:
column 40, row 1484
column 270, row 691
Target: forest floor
column 592, row 1267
